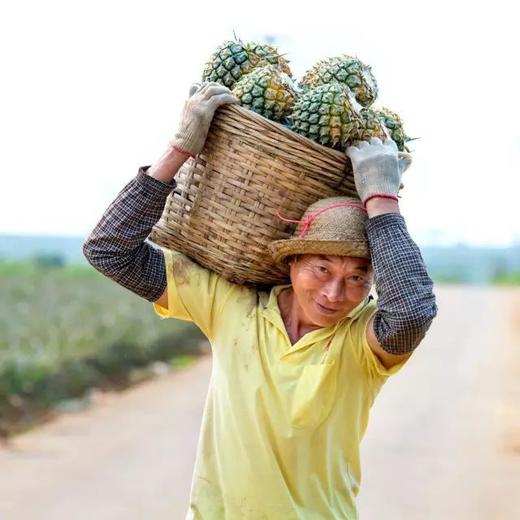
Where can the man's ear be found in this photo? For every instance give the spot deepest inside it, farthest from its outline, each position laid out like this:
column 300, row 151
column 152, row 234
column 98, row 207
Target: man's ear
column 291, row 260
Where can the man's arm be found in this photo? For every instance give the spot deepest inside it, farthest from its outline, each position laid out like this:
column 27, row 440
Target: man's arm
column 116, row 247
column 406, row 304
column 165, row 170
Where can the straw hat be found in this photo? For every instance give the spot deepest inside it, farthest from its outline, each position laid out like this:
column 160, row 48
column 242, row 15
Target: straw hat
column 332, row 226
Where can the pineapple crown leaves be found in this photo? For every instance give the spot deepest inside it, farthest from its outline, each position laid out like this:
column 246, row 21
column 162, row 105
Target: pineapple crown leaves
column 406, row 141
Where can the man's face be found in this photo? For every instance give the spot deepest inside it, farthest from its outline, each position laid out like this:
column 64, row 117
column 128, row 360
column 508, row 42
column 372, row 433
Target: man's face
column 327, row 288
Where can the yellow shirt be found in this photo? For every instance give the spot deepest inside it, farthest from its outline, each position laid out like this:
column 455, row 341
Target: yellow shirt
column 282, row 423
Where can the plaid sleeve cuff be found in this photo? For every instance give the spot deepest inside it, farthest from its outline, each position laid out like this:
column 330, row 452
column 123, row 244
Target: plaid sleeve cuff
column 406, row 304
column 152, row 185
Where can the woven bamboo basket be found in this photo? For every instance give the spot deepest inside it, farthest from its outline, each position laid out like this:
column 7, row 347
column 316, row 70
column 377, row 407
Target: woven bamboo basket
column 223, row 211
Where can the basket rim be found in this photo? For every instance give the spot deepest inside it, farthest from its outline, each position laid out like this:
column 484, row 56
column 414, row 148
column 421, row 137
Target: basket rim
column 273, row 125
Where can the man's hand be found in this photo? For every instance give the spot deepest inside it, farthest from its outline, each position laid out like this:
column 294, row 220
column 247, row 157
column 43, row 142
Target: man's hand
column 377, row 167
column 197, row 115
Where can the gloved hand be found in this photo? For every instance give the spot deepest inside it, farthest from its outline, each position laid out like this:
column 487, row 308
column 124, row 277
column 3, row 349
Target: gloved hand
column 197, row 115
column 378, row 167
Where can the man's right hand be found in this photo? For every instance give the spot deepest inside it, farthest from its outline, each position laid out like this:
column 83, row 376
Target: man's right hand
column 197, row 115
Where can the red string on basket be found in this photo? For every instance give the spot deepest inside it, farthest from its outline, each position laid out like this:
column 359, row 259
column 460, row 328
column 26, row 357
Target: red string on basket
column 307, row 221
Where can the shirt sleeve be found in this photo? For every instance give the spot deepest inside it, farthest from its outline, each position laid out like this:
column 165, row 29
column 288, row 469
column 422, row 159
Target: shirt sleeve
column 366, row 357
column 406, row 302
column 195, row 293
column 118, row 248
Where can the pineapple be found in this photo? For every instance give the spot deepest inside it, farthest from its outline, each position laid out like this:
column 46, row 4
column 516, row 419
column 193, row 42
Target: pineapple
column 233, row 59
column 269, row 54
column 347, row 70
column 268, row 91
column 327, row 114
column 394, row 125
column 371, row 126
column 332, row 105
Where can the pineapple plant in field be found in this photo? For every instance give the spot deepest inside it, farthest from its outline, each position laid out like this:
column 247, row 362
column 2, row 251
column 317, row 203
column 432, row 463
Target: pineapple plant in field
column 348, row 70
column 267, row 91
column 234, row 59
column 326, row 114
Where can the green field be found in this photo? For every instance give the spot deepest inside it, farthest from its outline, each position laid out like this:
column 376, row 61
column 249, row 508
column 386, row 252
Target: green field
column 66, row 329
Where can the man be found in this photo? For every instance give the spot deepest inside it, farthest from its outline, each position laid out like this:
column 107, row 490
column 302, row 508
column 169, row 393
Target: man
column 295, row 369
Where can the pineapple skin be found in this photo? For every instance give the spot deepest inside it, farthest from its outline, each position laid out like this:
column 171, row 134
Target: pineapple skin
column 234, row 59
column 394, row 124
column 267, row 54
column 356, row 75
column 227, row 64
column 267, row 91
column 371, row 126
column 326, row 114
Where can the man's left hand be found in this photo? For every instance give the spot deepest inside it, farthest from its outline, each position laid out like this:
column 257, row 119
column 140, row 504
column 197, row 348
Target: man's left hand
column 378, row 167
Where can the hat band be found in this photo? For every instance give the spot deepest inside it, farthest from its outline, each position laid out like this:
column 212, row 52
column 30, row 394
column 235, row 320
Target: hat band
column 307, row 221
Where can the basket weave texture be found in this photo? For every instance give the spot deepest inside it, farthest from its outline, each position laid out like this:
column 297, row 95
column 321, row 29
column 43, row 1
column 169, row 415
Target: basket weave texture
column 223, row 211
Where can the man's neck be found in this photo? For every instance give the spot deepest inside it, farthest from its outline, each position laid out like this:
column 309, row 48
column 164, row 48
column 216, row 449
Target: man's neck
column 291, row 313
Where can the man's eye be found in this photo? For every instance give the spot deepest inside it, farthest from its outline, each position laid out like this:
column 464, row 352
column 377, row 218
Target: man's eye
column 323, row 269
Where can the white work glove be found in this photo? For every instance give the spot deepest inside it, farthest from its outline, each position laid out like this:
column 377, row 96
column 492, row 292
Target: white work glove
column 378, row 167
column 197, row 115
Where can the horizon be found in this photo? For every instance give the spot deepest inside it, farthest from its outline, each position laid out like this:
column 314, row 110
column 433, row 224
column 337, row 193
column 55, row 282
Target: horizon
column 452, row 245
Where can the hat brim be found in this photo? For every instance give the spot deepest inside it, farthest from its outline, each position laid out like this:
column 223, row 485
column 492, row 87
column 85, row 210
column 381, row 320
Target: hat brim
column 281, row 249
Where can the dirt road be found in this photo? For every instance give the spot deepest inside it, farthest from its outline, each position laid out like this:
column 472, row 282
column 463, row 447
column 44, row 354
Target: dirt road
column 444, row 437
column 443, row 440
column 129, row 457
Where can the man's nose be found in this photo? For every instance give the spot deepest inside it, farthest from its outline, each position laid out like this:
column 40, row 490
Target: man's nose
column 334, row 291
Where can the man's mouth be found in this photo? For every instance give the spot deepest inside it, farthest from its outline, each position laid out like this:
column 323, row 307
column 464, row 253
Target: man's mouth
column 325, row 310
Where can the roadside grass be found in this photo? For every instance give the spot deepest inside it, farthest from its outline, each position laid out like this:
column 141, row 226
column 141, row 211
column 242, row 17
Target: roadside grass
column 67, row 330
column 507, row 279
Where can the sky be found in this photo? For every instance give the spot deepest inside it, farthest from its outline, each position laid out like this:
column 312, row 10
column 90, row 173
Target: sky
column 93, row 90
